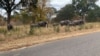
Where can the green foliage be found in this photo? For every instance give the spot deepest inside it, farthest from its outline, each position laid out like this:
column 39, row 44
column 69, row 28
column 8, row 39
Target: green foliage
column 82, row 7
column 39, row 13
column 65, row 13
column 29, row 3
column 26, row 17
column 94, row 15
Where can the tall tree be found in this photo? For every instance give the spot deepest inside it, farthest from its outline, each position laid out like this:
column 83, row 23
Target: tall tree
column 83, row 6
column 66, row 13
column 9, row 6
column 40, row 11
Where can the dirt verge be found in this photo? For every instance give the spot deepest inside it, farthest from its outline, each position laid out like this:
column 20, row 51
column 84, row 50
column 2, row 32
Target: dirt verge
column 29, row 41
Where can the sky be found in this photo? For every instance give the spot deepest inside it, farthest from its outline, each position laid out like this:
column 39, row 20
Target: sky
column 58, row 4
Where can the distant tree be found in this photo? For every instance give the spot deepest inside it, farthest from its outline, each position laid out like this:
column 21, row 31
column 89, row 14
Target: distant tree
column 25, row 17
column 94, row 15
column 83, row 6
column 66, row 13
column 49, row 12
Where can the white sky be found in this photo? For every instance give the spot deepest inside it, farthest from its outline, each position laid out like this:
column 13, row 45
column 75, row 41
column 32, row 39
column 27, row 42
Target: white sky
column 61, row 3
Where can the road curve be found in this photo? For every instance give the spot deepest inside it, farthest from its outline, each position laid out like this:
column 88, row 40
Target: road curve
column 85, row 45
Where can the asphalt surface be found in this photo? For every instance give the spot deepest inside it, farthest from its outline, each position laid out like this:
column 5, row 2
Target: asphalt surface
column 85, row 45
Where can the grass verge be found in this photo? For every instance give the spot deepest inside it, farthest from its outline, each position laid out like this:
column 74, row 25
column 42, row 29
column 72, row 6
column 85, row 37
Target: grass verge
column 19, row 37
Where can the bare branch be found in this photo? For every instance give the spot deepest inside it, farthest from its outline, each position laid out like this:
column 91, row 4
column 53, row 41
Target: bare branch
column 14, row 7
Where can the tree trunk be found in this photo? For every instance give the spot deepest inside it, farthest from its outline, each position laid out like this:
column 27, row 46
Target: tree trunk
column 9, row 26
column 83, row 18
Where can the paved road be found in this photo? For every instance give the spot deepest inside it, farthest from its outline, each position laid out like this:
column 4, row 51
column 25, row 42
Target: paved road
column 86, row 45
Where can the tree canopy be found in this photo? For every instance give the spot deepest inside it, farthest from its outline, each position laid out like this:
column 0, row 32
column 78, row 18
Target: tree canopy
column 65, row 13
column 10, row 5
column 82, row 8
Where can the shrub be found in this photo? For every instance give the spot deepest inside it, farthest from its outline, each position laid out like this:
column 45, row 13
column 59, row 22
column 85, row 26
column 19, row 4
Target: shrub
column 67, row 29
column 56, row 29
column 16, row 29
column 32, row 31
column 3, row 31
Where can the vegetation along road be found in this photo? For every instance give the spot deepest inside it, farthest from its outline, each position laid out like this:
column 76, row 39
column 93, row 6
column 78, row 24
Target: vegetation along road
column 85, row 45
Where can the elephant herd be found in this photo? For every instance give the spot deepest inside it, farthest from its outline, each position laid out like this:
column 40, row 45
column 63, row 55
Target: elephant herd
column 45, row 24
column 39, row 24
column 72, row 23
column 62, row 23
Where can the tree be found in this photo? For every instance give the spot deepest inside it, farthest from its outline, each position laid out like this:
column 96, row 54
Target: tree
column 83, row 6
column 39, row 12
column 66, row 13
column 9, row 6
column 94, row 15
column 51, row 13
column 25, row 17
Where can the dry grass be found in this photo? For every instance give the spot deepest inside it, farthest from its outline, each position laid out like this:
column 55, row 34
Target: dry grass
column 20, row 37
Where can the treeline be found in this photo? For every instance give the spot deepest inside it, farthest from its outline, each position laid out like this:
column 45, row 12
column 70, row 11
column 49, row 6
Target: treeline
column 87, row 10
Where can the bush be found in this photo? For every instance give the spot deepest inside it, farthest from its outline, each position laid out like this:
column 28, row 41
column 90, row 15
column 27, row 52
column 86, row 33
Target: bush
column 32, row 31
column 67, row 29
column 3, row 31
column 57, row 28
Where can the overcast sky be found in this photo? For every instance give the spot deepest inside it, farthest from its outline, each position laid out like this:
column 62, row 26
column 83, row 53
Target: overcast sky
column 61, row 3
